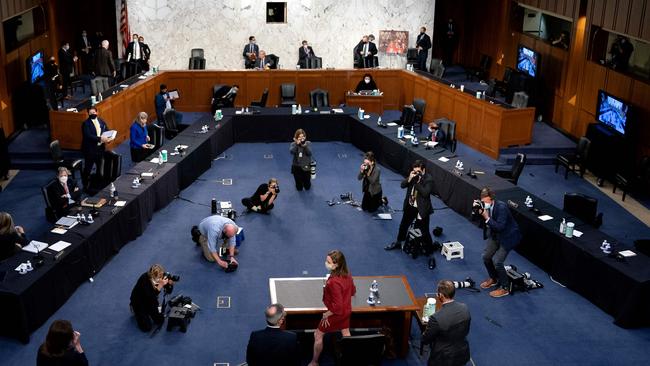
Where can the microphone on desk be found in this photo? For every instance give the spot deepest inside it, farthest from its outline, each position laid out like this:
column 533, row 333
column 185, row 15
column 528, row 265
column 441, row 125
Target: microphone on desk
column 38, row 259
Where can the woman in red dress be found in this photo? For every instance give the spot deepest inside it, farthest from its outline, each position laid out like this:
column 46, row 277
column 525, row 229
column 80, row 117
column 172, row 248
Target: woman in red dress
column 337, row 297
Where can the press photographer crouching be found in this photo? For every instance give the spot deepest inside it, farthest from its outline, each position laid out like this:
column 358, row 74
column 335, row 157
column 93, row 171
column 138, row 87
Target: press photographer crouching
column 262, row 200
column 216, row 236
column 144, row 296
column 502, row 234
column 369, row 174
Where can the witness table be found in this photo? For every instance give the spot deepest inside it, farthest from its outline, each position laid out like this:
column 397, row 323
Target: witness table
column 302, row 300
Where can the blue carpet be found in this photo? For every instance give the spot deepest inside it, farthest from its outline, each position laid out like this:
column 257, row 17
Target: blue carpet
column 552, row 325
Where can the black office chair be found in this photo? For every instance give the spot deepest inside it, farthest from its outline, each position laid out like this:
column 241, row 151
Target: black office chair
column 50, row 213
column 276, row 61
column 262, row 102
column 61, row 161
column 420, row 106
column 288, row 94
column 634, row 179
column 512, row 174
column 319, row 98
column 576, row 160
column 75, row 80
column 584, row 208
column 197, row 61
column 156, row 135
column 412, row 56
column 357, row 350
column 643, row 246
column 448, row 127
column 480, row 71
column 435, row 62
column 438, row 71
column 407, row 118
column 520, row 99
column 172, row 128
column 315, row 62
column 502, row 85
column 110, row 167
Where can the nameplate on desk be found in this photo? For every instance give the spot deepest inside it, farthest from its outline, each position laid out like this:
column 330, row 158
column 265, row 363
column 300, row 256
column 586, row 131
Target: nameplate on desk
column 337, row 110
column 119, row 203
column 391, row 124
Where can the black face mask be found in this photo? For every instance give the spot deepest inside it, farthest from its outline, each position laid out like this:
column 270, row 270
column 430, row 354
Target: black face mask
column 93, row 116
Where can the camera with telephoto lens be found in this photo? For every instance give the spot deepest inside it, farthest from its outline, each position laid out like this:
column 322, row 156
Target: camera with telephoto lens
column 169, row 287
column 366, row 167
column 276, row 187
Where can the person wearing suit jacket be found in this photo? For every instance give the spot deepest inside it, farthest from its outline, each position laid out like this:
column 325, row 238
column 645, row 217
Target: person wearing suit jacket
column 84, row 50
column 304, row 53
column 435, row 133
column 263, row 61
column 366, row 51
column 66, row 66
column 273, row 346
column 251, row 51
column 104, row 65
column 447, row 329
column 92, row 143
column 135, row 53
column 423, row 44
column 146, row 52
column 502, row 234
column 417, row 205
column 65, row 194
column 369, row 173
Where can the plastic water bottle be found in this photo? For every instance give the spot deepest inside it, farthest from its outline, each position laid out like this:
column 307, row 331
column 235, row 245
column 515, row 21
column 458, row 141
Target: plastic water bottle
column 400, row 132
column 374, row 287
column 429, row 308
column 563, row 226
column 160, row 159
column 412, row 131
column 112, row 189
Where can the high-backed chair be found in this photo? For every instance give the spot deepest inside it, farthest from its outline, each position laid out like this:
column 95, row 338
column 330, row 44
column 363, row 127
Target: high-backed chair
column 520, row 100
column 50, row 213
column 412, row 56
column 576, row 160
column 356, row 350
column 635, row 179
column 449, row 128
column 480, row 72
column 98, row 85
column 420, row 106
column 315, row 62
column 263, row 99
column 407, row 118
column 512, row 174
column 110, row 167
column 172, row 128
column 319, row 98
column 75, row 80
column 439, row 71
column 502, row 85
column 288, row 94
column 156, row 135
column 276, row 61
column 583, row 207
column 435, row 62
column 61, row 161
column 197, row 61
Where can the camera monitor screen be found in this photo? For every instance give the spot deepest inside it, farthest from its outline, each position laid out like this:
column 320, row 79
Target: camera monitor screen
column 35, row 67
column 612, row 112
column 527, row 61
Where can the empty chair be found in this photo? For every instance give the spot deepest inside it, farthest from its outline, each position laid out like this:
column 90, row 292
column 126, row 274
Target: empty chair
column 637, row 179
column 449, row 128
column 512, row 174
column 50, row 213
column 197, row 61
column 263, row 99
column 75, row 80
column 156, row 135
column 408, row 116
column 435, row 62
column 480, row 72
column 319, row 98
column 172, row 128
column 276, row 61
column 98, row 85
column 288, row 95
column 583, row 207
column 438, row 71
column 61, row 161
column 111, row 167
column 412, row 57
column 576, row 160
column 420, row 106
column 356, row 350
column 314, row 63
column 520, row 100
column 502, row 85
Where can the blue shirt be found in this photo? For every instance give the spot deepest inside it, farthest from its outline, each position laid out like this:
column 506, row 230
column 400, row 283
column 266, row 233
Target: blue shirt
column 138, row 136
column 212, row 228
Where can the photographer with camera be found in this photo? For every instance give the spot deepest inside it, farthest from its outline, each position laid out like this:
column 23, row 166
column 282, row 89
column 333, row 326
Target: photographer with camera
column 301, row 166
column 144, row 296
column 417, row 205
column 369, row 174
column 262, row 200
column 502, row 234
column 213, row 229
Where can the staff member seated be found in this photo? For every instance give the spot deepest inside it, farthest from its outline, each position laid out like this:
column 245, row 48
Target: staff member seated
column 164, row 102
column 367, row 83
column 65, row 194
column 144, row 297
column 226, row 100
column 12, row 237
column 214, row 229
column 435, row 134
column 262, row 200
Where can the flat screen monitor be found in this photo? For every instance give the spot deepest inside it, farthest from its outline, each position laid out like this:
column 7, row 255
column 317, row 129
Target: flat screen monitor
column 612, row 112
column 527, row 61
column 35, row 66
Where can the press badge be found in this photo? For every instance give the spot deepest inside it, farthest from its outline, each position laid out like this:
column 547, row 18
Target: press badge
column 300, row 154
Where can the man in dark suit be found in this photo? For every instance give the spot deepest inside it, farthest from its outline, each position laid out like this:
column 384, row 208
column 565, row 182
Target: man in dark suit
column 435, row 133
column 251, row 51
column 92, row 143
column 447, row 329
column 502, row 234
column 304, row 53
column 417, row 205
column 104, row 65
column 263, row 62
column 423, row 44
column 66, row 66
column 146, row 51
column 134, row 56
column 366, row 51
column 273, row 346
column 64, row 195
column 84, row 49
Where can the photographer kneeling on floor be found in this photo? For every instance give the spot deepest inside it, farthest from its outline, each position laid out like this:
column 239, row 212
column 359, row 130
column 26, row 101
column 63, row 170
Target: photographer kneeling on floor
column 262, row 200
column 144, row 297
column 210, row 231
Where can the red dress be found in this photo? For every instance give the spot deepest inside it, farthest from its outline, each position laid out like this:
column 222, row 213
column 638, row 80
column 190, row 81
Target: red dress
column 337, row 297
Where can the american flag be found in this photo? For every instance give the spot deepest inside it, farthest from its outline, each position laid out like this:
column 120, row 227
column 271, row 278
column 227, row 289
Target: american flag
column 124, row 26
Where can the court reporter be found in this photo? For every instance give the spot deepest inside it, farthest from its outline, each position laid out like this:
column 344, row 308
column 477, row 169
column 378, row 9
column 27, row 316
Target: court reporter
column 262, row 200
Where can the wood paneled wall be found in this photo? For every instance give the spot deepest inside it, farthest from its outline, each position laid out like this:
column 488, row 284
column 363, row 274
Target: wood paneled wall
column 566, row 8
column 631, row 17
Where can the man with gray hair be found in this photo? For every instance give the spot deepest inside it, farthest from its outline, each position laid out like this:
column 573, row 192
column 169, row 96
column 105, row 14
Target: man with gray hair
column 216, row 232
column 104, row 66
column 273, row 346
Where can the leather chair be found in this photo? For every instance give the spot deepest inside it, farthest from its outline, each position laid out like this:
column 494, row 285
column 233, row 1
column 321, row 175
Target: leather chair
column 412, row 56
column 110, row 168
column 262, row 102
column 634, row 179
column 449, row 128
column 197, row 61
column 481, row 71
column 360, row 350
column 512, row 174
column 276, row 61
column 578, row 159
column 50, row 213
column 319, row 98
column 407, row 119
column 583, row 207
column 61, row 161
column 172, row 128
column 156, row 135
column 315, row 63
column 439, row 71
column 420, row 106
column 75, row 80
column 435, row 62
column 502, row 85
column 520, row 100
column 288, row 95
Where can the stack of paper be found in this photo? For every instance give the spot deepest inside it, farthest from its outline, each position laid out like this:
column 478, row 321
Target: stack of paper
column 35, row 246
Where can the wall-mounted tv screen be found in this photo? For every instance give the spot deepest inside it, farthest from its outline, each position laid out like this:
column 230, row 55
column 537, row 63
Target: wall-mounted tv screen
column 35, row 66
column 527, row 61
column 612, row 112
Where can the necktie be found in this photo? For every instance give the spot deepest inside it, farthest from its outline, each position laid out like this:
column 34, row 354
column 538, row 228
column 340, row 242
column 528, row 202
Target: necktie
column 136, row 50
column 65, row 188
column 365, row 49
column 433, row 136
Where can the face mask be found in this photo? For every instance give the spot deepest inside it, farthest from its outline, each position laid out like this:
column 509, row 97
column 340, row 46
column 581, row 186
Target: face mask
column 93, row 116
column 330, row 267
column 367, row 81
column 63, row 179
column 487, row 206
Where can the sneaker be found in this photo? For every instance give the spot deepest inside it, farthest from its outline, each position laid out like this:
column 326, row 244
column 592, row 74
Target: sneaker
column 500, row 292
column 488, row 283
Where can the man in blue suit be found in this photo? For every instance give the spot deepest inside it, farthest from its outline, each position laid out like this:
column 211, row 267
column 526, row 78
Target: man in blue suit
column 273, row 346
column 502, row 234
column 92, row 143
column 164, row 102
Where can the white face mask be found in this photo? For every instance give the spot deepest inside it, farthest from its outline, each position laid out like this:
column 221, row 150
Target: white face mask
column 487, row 205
column 63, row 179
column 367, row 81
column 330, row 267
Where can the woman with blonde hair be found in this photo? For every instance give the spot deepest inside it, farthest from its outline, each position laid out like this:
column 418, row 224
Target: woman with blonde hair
column 12, row 237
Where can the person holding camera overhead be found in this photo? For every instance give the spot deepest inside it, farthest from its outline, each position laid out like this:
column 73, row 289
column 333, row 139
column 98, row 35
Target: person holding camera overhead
column 262, row 200
column 301, row 166
column 61, row 346
column 502, row 234
column 417, row 205
column 369, row 175
column 144, row 297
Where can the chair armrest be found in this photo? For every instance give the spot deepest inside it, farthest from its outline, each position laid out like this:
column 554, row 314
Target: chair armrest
column 503, row 173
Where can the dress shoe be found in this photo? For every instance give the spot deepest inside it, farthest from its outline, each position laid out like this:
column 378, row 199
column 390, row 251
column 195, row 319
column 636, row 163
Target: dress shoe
column 393, row 245
column 488, row 283
column 500, row 292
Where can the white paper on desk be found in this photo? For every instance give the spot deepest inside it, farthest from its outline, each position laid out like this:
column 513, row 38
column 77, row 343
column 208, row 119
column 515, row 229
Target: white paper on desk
column 124, row 86
column 545, row 217
column 391, row 124
column 627, row 253
column 154, row 160
column 443, row 159
column 337, row 110
column 110, row 134
column 59, row 230
column 35, row 246
column 142, row 77
column 59, row 245
column 237, row 112
column 147, row 174
column 181, row 147
column 577, row 233
column 119, row 203
column 366, row 116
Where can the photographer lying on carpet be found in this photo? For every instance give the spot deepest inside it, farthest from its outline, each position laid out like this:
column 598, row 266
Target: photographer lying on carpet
column 262, row 200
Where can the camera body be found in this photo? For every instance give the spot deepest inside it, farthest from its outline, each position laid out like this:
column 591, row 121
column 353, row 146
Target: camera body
column 477, row 208
column 277, row 188
column 169, row 287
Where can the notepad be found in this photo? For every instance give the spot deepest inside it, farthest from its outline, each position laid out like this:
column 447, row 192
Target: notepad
column 35, row 246
column 59, row 245
column 577, row 233
column 119, row 203
column 443, row 159
column 627, row 253
column 391, row 124
column 545, row 217
column 59, row 230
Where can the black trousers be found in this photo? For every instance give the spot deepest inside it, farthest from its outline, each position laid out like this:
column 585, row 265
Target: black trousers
column 410, row 215
column 370, row 202
column 145, row 321
column 137, row 155
column 301, row 177
column 248, row 203
column 422, row 60
column 90, row 159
